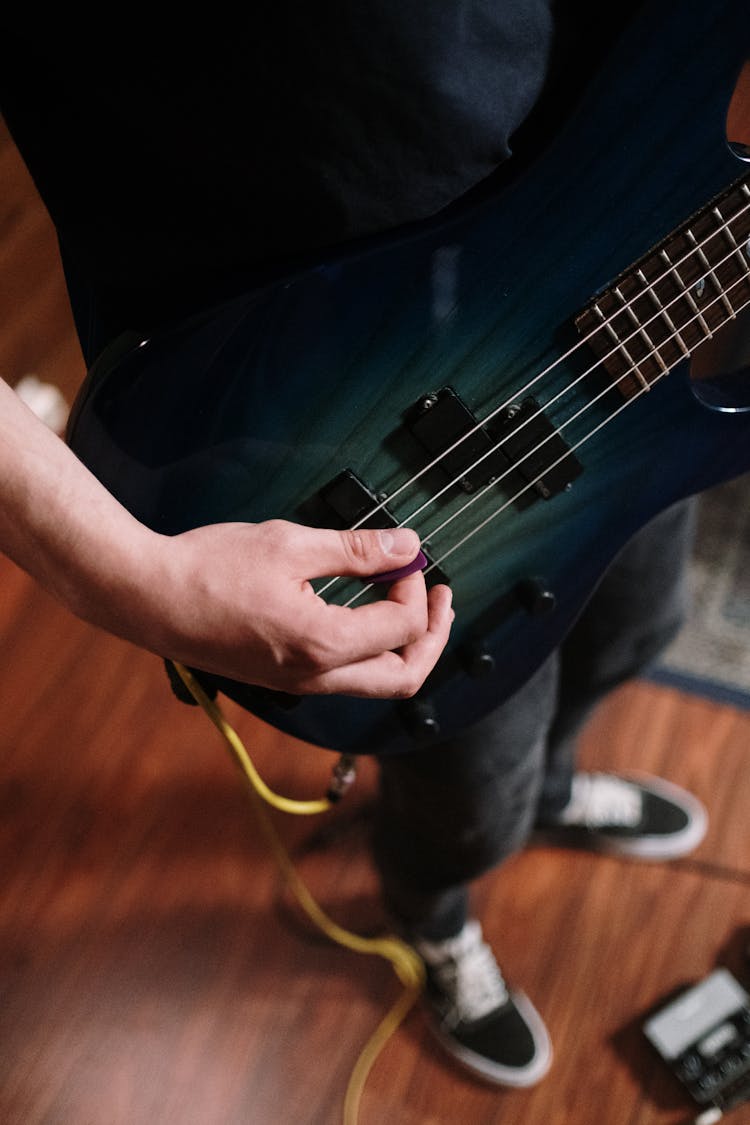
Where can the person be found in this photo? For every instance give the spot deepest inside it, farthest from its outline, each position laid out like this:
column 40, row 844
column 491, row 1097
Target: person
column 189, row 162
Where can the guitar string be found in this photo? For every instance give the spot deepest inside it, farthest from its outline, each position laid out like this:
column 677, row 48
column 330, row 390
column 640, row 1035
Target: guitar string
column 589, row 403
column 578, row 379
column 640, row 330
column 578, row 444
column 530, row 484
column 511, row 500
column 503, row 507
column 637, row 331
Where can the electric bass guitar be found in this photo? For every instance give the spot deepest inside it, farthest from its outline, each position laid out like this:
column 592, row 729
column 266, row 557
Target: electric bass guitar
column 526, row 384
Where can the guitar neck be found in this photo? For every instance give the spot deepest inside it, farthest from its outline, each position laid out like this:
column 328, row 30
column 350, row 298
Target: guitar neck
column 680, row 294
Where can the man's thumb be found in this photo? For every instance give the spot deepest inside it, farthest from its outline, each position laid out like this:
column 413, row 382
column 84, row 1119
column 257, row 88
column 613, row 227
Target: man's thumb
column 385, row 554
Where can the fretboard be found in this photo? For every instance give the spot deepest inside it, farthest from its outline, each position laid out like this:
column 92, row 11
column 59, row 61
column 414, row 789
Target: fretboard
column 680, row 294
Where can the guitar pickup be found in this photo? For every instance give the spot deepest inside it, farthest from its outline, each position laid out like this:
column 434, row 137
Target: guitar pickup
column 519, row 449
column 542, row 463
column 346, row 502
column 443, row 424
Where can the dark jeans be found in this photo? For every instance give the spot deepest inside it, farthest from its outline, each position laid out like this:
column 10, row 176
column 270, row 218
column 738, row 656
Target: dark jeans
column 447, row 814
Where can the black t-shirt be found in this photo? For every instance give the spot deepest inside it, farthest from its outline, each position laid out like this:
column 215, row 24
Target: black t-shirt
column 181, row 155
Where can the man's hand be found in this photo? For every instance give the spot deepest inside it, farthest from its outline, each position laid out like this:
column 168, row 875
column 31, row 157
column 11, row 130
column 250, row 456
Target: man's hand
column 236, row 599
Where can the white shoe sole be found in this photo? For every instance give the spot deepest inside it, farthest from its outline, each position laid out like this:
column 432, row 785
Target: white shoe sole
column 496, row 1073
column 642, row 847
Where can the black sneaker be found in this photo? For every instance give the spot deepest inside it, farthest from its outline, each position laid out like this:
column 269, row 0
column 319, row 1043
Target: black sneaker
column 495, row 1033
column 644, row 816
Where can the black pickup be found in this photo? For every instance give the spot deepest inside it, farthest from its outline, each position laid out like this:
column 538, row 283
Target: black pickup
column 519, row 448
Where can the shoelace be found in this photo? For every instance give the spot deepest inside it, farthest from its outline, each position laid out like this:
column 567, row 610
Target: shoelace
column 470, row 979
column 599, row 800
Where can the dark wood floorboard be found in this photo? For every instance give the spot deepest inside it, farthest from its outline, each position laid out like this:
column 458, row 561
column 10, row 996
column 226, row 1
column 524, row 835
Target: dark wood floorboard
column 154, row 970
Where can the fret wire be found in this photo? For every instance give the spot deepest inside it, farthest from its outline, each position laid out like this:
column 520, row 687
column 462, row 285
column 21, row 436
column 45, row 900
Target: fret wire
column 711, row 273
column 733, row 243
column 700, row 320
column 632, row 367
column 651, row 345
column 685, row 290
column 738, row 258
column 650, row 291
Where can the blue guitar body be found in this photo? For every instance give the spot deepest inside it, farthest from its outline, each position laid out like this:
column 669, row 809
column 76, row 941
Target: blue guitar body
column 310, row 397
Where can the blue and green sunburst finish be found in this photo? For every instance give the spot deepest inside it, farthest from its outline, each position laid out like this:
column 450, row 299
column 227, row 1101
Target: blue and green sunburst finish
column 246, row 411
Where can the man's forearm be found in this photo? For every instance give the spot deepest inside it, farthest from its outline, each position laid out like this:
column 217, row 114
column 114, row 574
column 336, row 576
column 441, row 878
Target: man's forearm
column 235, row 599
column 56, row 521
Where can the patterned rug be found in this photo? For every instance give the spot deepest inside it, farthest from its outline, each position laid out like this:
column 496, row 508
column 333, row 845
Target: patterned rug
column 711, row 657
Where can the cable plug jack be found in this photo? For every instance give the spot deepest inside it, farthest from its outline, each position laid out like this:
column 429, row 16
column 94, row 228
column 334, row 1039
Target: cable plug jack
column 343, row 776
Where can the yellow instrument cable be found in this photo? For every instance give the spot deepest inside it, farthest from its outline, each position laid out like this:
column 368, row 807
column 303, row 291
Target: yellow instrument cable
column 406, row 962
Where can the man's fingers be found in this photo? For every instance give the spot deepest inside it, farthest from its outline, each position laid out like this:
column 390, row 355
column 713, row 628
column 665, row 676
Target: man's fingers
column 349, row 634
column 257, row 618
column 391, row 674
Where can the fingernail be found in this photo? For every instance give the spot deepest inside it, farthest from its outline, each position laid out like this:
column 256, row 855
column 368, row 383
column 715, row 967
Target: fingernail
column 398, row 541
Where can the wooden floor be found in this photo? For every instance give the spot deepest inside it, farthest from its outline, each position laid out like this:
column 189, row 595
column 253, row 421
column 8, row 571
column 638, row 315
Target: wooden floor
column 154, row 970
